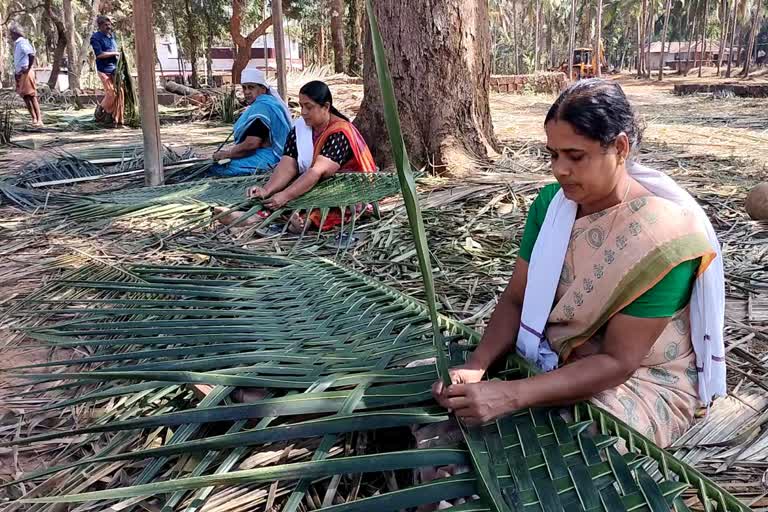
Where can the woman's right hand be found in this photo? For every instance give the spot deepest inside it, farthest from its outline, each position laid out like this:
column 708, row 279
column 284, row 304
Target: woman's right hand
column 257, row 193
column 465, row 374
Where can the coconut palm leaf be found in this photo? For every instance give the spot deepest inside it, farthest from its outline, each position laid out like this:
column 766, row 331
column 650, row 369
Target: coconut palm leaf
column 341, row 358
column 31, row 187
column 188, row 206
column 124, row 82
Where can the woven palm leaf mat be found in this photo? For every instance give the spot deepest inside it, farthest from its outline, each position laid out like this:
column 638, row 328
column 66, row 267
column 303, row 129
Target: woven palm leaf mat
column 326, row 349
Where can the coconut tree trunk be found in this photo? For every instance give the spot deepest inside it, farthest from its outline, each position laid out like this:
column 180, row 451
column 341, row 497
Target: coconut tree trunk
column 651, row 30
column 734, row 30
column 551, row 60
column 599, row 39
column 667, row 11
column 724, row 23
column 643, row 25
column 73, row 65
column 571, row 39
column 336, row 8
column 639, row 45
column 442, row 123
column 209, row 37
column 194, row 43
column 243, row 43
column 691, row 40
column 515, row 37
column 703, row 48
column 537, row 37
column 320, row 45
column 752, row 38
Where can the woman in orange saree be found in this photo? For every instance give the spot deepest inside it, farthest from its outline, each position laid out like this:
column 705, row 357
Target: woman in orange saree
column 323, row 142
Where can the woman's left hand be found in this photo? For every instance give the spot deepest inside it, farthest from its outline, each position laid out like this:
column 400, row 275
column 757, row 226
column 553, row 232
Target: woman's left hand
column 276, row 202
column 220, row 155
column 479, row 403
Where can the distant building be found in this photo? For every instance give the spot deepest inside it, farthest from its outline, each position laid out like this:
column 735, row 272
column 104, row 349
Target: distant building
column 170, row 65
column 679, row 54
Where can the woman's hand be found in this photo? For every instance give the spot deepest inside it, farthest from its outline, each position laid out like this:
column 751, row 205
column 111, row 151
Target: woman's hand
column 481, row 402
column 465, row 374
column 220, row 155
column 276, row 202
column 257, row 193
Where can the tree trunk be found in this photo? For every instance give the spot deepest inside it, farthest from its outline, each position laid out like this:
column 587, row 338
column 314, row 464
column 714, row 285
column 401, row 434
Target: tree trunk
column 551, row 60
column 651, row 32
column 703, row 48
column 85, row 45
column 734, row 31
column 179, row 49
column 442, row 124
column 599, row 39
column 639, row 47
column 73, row 65
column 194, row 43
column 691, row 40
column 320, row 46
column 740, row 39
column 355, row 37
column 243, row 43
column 752, row 38
column 336, row 8
column 537, row 37
column 724, row 22
column 667, row 11
column 61, row 44
column 641, row 51
column 209, row 37
column 571, row 39
column 515, row 37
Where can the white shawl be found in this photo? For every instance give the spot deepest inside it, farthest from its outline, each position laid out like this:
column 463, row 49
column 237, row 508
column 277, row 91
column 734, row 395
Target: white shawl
column 707, row 303
column 304, row 145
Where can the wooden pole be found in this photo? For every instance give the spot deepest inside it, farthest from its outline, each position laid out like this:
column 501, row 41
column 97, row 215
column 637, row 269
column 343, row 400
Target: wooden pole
column 277, row 25
column 145, row 65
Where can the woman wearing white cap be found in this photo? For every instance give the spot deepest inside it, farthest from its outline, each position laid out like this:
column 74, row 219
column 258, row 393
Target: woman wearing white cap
column 260, row 132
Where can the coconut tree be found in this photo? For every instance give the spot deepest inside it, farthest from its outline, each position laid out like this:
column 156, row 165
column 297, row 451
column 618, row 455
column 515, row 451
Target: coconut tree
column 667, row 10
column 752, row 37
column 599, row 38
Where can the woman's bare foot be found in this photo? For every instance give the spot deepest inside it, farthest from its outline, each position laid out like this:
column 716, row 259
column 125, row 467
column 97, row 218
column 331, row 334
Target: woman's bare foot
column 230, row 216
column 296, row 224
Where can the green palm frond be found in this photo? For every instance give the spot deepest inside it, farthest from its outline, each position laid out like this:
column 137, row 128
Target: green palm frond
column 124, row 82
column 189, row 204
column 29, row 188
column 335, row 366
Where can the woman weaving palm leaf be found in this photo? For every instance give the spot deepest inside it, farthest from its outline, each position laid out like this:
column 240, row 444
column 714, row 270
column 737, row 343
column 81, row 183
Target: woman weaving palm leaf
column 618, row 291
column 322, row 143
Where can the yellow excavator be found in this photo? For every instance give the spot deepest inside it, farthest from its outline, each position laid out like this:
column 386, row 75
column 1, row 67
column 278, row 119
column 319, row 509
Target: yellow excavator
column 585, row 63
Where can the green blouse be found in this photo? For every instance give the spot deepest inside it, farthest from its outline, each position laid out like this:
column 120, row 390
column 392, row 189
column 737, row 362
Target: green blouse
column 669, row 296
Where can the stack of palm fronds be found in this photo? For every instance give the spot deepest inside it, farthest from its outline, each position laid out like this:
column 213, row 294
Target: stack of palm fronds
column 326, row 353
column 28, row 188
